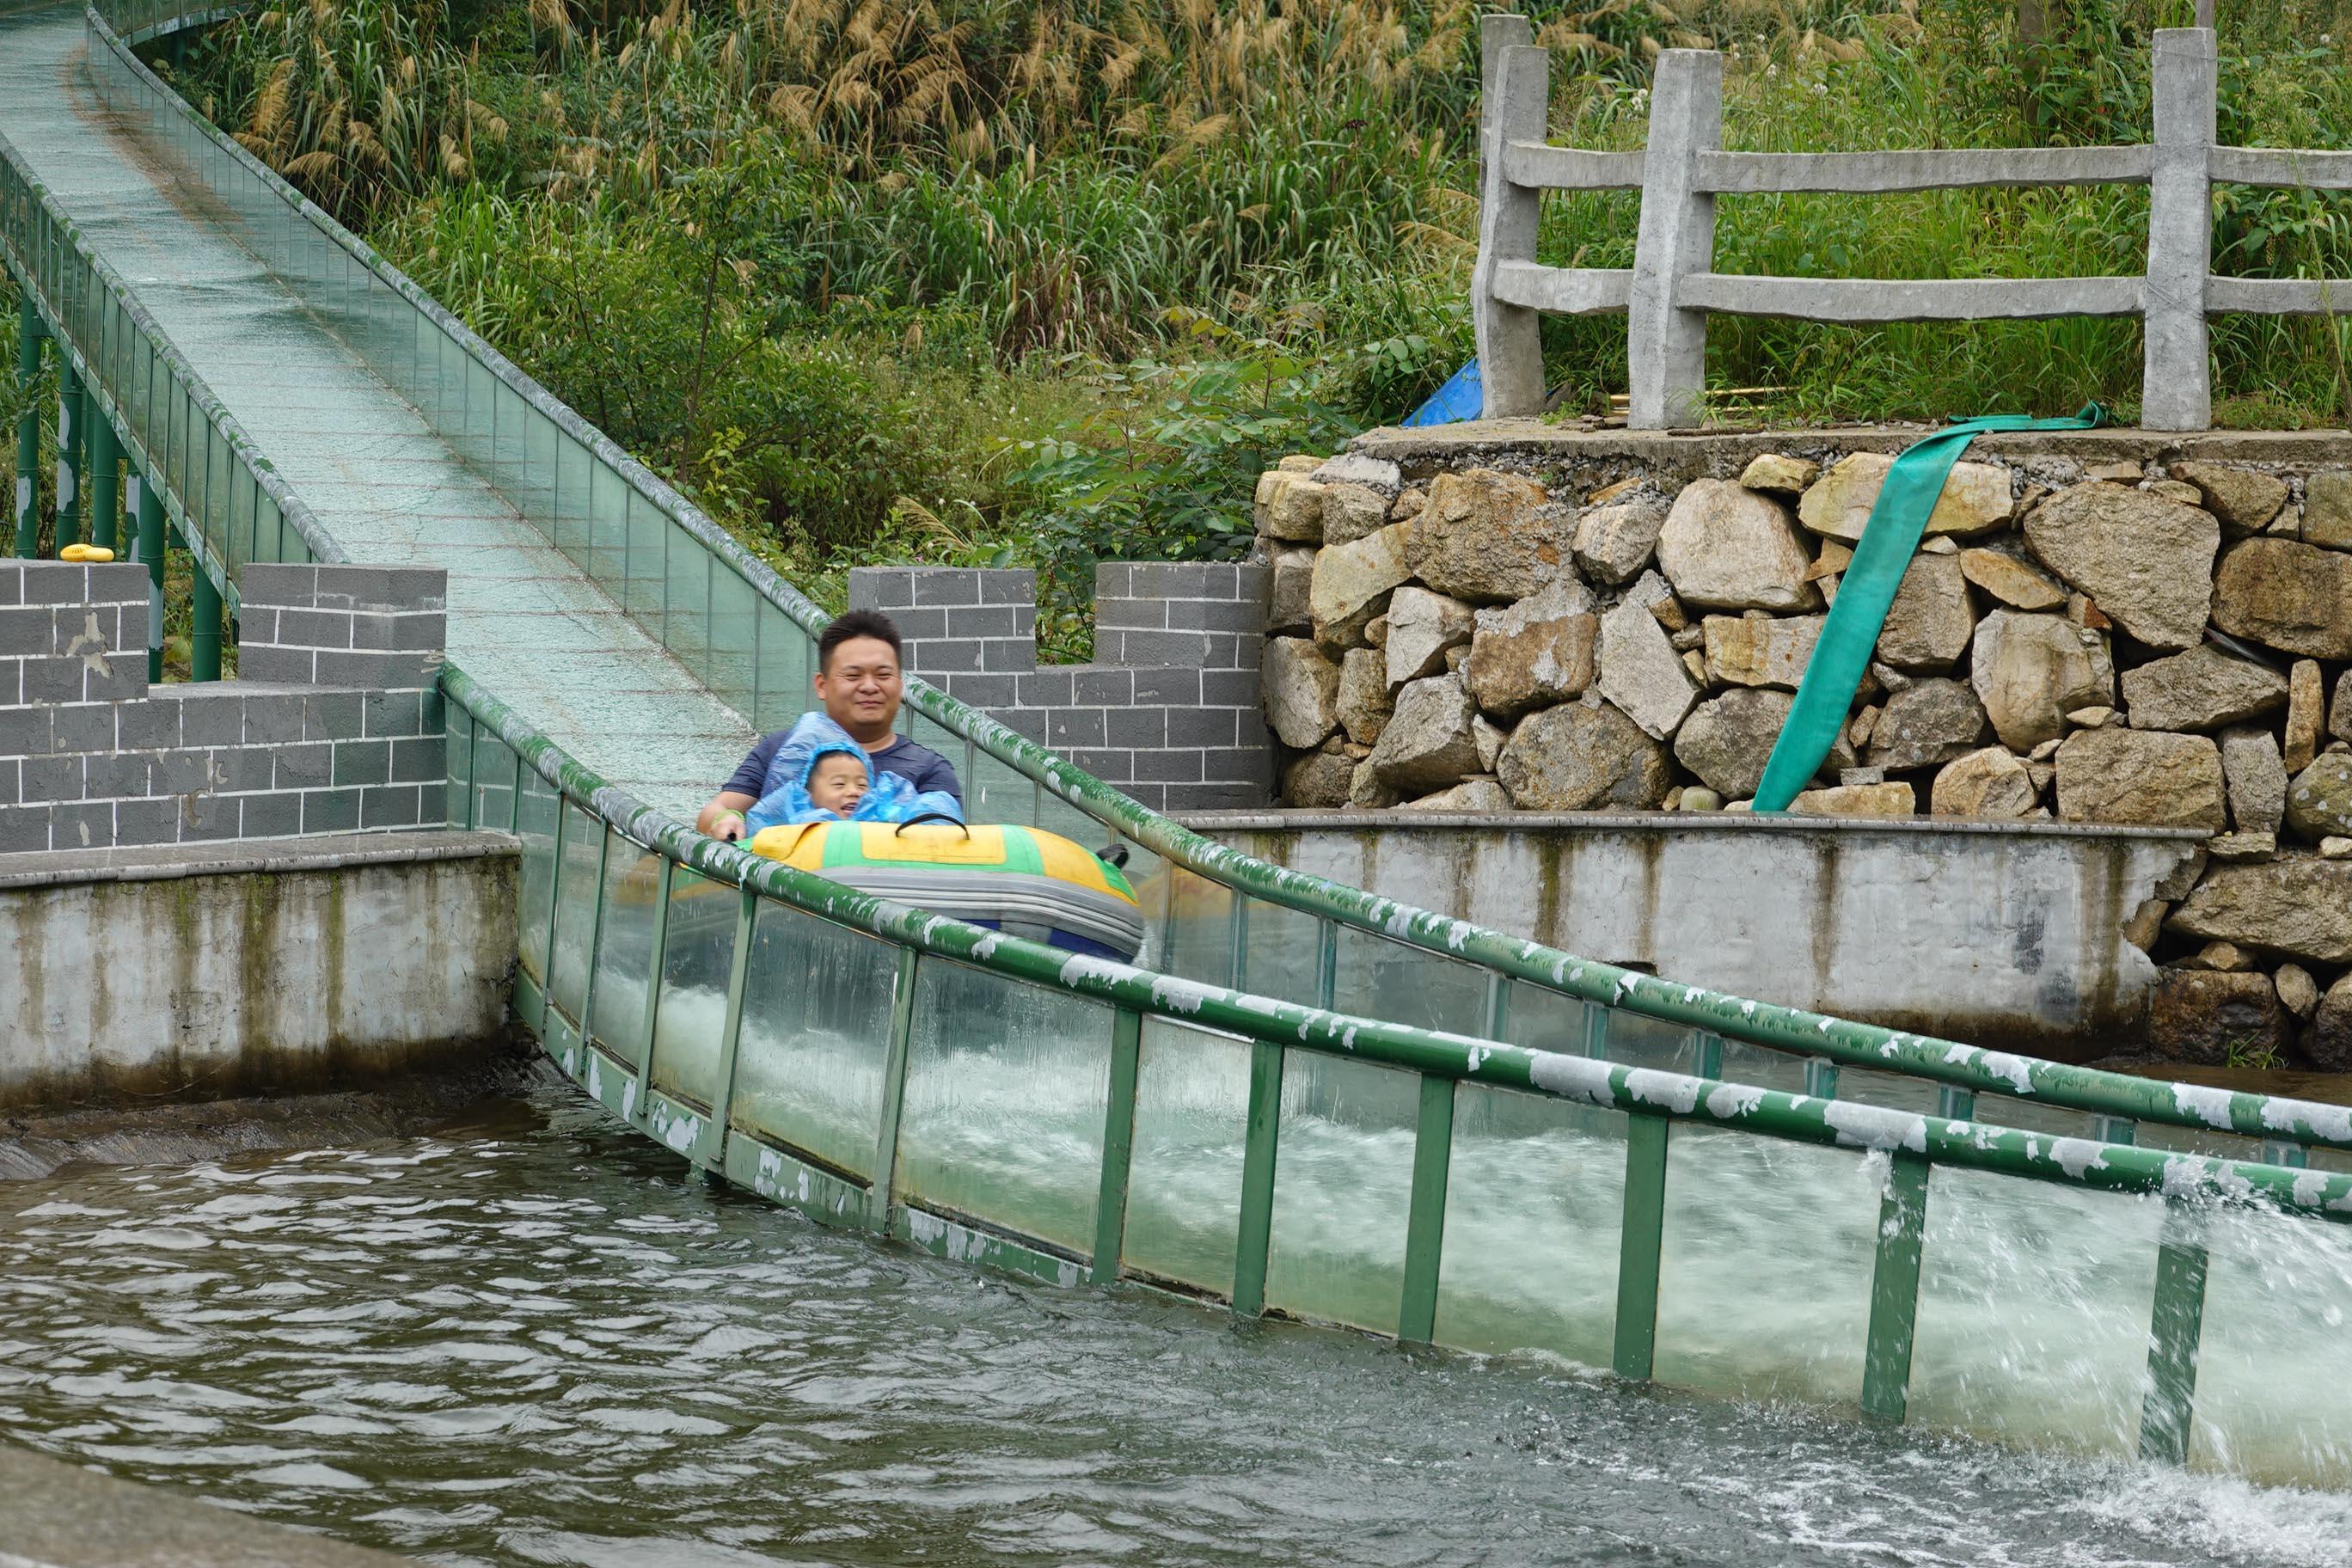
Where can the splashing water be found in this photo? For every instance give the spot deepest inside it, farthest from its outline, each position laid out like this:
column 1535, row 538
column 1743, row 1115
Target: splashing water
column 531, row 1338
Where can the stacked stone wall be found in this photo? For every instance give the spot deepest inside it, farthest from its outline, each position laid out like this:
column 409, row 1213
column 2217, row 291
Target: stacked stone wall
column 2157, row 641
column 332, row 735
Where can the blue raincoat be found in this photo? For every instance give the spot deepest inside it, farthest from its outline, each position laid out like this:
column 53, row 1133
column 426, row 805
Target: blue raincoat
column 785, row 798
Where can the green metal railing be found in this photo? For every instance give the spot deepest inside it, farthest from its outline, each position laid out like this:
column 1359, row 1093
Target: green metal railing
column 1229, row 917
column 835, row 1052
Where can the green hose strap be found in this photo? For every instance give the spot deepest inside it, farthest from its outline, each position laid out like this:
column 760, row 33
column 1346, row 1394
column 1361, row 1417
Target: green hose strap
column 1880, row 558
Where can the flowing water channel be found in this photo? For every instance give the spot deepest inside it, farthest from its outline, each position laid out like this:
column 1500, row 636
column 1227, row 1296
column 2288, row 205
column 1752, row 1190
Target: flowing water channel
column 525, row 1335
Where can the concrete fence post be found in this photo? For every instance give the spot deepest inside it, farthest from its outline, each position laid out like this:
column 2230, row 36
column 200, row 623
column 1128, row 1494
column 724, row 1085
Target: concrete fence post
column 1514, row 106
column 1665, row 343
column 2176, row 384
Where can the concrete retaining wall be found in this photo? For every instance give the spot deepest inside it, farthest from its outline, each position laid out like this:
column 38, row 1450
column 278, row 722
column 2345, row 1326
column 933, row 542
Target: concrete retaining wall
column 2010, row 936
column 298, row 964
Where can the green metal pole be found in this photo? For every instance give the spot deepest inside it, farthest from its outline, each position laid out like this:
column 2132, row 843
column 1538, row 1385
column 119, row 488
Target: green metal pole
column 1894, row 1289
column 1424, row 1229
column 1118, row 1147
column 147, row 506
column 1643, row 1223
column 69, row 454
column 205, row 634
column 1261, row 1142
column 105, row 470
column 28, row 425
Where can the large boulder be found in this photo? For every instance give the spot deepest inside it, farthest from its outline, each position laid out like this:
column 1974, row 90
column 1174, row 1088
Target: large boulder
column 1301, row 683
column 2305, row 716
column 2286, row 594
column 1928, row 721
column 1976, row 497
column 1491, row 537
column 1929, row 625
column 2328, row 509
column 1470, row 794
column 2203, row 688
column 1352, row 583
column 1759, row 651
column 1421, row 627
column 2010, row 579
column 1613, row 542
column 2146, row 562
column 1427, row 744
column 2297, row 905
column 1583, row 756
column 1991, row 781
column 2256, row 777
column 1780, row 473
column 2339, row 708
column 1725, row 547
column 1293, row 578
column 1534, row 653
column 1352, row 512
column 1892, row 798
column 1289, row 506
column 1318, row 780
column 1361, row 468
column 2319, row 800
column 2031, row 671
column 2244, row 499
column 2331, row 1028
column 1640, row 672
column 1363, row 705
column 2201, row 1016
column 1727, row 741
column 2143, row 777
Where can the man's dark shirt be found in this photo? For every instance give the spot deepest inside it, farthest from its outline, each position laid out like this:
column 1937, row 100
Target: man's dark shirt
column 918, row 766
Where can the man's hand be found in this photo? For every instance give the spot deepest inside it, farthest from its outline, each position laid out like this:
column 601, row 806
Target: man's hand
column 729, row 826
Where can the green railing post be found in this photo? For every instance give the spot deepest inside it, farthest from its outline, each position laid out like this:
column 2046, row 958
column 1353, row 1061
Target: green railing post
column 1259, row 1141
column 2176, row 1322
column 28, row 424
column 1894, row 1289
column 587, row 1019
column 894, row 1093
column 554, row 887
column 1118, row 1146
column 148, row 503
column 68, row 451
column 1707, row 1054
column 105, row 470
column 204, row 627
column 1644, row 1231
column 1424, row 1226
column 711, row 1148
column 664, row 877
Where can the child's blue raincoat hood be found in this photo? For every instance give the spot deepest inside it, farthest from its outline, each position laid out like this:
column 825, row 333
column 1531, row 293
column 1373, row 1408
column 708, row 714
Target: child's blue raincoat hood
column 784, row 796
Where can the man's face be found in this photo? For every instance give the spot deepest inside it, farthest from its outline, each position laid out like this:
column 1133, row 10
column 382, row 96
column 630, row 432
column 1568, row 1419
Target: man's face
column 859, row 687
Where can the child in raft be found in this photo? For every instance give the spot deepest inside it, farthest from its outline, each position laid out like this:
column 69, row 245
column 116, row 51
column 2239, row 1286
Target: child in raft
column 820, row 775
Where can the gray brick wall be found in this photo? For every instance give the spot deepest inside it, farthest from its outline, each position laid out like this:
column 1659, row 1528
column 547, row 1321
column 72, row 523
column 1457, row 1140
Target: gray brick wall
column 1168, row 711
column 92, row 756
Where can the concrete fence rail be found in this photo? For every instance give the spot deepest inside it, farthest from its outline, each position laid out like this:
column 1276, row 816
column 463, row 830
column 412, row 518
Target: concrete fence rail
column 1672, row 288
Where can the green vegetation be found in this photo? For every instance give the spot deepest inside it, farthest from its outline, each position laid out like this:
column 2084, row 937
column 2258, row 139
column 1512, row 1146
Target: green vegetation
column 963, row 281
